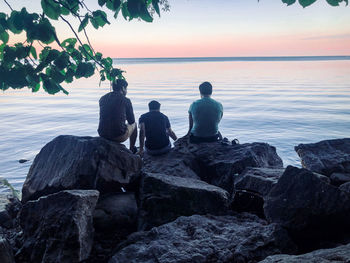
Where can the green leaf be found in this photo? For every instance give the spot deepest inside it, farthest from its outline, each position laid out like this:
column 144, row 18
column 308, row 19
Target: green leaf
column 33, row 52
column 86, row 51
column 56, row 75
column 289, row 2
column 69, row 44
column 125, row 11
column 155, row 4
column 63, row 90
column 84, row 70
column 84, row 23
column 15, row 22
column 4, row 37
column 62, row 61
column 49, row 86
column 333, row 2
column 69, row 75
column 306, row 3
column 100, row 17
column 113, row 5
column 101, row 2
column 51, row 9
column 145, row 15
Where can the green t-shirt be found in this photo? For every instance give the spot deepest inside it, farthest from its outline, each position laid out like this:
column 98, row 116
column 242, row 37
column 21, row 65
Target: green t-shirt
column 206, row 114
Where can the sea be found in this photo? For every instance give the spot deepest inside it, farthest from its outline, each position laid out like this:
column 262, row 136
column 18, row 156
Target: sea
column 283, row 101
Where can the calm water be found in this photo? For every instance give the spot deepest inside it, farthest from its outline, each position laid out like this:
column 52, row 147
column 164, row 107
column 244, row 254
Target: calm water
column 283, row 103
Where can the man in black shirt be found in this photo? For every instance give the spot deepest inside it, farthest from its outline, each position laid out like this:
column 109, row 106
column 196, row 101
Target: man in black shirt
column 155, row 126
column 115, row 110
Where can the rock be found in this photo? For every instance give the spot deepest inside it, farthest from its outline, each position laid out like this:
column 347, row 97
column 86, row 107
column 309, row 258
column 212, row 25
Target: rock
column 240, row 238
column 215, row 163
column 345, row 187
column 336, row 255
column 340, row 178
column 116, row 213
column 9, row 204
column 23, row 160
column 258, row 180
column 6, row 254
column 172, row 163
column 71, row 162
column 58, row 227
column 326, row 157
column 165, row 197
column 251, row 186
column 308, row 207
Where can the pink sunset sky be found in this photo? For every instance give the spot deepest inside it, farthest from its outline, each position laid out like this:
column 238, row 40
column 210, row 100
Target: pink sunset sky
column 203, row 28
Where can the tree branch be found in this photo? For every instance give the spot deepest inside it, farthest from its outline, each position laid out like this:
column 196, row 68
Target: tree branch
column 8, row 5
column 81, row 43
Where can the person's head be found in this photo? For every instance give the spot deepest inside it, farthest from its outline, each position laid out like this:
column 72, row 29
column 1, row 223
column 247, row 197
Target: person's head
column 154, row 105
column 205, row 89
column 120, row 85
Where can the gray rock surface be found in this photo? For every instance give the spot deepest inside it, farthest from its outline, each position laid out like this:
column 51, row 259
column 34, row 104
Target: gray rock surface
column 116, row 213
column 340, row 178
column 339, row 254
column 307, row 206
column 214, row 163
column 240, row 238
column 257, row 180
column 345, row 187
column 326, row 157
column 251, row 186
column 58, row 227
column 165, row 197
column 71, row 162
column 6, row 254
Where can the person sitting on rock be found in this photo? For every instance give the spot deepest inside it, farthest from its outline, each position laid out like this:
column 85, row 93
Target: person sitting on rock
column 115, row 110
column 204, row 117
column 155, row 126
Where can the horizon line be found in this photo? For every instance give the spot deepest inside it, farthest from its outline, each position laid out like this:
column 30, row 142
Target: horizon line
column 284, row 56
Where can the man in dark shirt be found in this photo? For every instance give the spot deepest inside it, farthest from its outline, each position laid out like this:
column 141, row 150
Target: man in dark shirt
column 155, row 126
column 115, row 109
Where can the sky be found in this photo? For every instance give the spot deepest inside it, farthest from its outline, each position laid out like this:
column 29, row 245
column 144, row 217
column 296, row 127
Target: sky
column 217, row 28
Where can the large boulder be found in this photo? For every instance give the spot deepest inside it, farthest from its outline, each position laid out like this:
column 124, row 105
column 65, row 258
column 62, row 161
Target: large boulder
column 251, row 186
column 215, row 163
column 58, row 227
column 116, row 214
column 339, row 254
column 257, row 180
column 309, row 207
column 240, row 238
column 326, row 157
column 6, row 254
column 71, row 162
column 165, row 197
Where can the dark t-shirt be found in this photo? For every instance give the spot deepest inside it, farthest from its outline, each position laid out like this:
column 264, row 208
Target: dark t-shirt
column 115, row 109
column 156, row 124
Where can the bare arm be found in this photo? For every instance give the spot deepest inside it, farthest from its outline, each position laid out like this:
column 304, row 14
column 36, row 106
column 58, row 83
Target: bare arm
column 190, row 123
column 171, row 133
column 142, row 137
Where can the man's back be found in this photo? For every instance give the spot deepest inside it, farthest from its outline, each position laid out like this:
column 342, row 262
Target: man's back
column 115, row 108
column 206, row 113
column 156, row 124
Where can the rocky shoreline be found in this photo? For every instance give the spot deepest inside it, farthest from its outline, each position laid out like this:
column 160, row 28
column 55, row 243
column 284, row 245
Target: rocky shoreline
column 86, row 199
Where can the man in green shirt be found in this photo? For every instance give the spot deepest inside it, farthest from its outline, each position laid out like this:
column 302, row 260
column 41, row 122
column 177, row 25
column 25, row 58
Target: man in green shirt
column 204, row 116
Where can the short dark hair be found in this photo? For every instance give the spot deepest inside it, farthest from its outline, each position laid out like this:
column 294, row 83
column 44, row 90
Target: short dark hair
column 206, row 88
column 154, row 105
column 118, row 84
